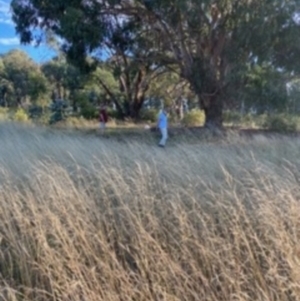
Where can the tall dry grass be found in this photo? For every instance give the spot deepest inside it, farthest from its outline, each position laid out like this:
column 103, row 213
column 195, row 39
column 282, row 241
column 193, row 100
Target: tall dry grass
column 86, row 218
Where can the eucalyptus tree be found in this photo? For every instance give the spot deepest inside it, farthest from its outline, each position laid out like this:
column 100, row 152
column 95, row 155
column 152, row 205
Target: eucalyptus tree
column 130, row 61
column 213, row 42
column 210, row 41
column 21, row 80
column 92, row 29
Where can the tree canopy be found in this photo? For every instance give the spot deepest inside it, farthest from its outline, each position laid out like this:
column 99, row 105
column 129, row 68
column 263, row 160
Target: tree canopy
column 21, row 79
column 212, row 45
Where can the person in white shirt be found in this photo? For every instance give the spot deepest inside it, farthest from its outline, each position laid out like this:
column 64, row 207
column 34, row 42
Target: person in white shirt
column 162, row 124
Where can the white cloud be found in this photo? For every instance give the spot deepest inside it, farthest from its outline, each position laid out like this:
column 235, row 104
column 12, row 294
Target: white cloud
column 9, row 41
column 5, row 13
column 4, row 7
column 6, row 21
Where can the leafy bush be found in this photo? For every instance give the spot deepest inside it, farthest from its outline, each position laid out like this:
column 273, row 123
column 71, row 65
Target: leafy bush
column 35, row 112
column 233, row 117
column 149, row 115
column 4, row 114
column 194, row 118
column 281, row 122
column 89, row 112
column 259, row 120
column 20, row 116
column 59, row 111
column 113, row 114
column 44, row 119
column 87, row 107
column 40, row 115
column 252, row 120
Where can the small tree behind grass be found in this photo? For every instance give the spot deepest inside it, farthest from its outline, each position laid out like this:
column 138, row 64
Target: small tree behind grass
column 20, row 116
column 149, row 115
column 235, row 118
column 281, row 123
column 59, row 110
column 4, row 114
column 194, row 118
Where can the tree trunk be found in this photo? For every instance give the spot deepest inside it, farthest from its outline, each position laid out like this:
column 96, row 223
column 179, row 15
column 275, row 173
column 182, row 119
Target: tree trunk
column 74, row 100
column 58, row 91
column 213, row 110
column 119, row 109
column 180, row 110
column 136, row 107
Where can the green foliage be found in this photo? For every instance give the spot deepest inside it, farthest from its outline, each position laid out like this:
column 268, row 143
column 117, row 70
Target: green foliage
column 194, row 118
column 38, row 88
column 114, row 114
column 21, row 80
column 293, row 90
column 281, row 123
column 59, row 111
column 149, row 115
column 20, row 116
column 4, row 114
column 44, row 119
column 87, row 107
column 39, row 114
column 65, row 79
column 102, row 84
column 35, row 112
column 241, row 50
column 265, row 89
column 232, row 117
column 235, row 118
column 205, row 33
column 85, row 30
column 89, row 112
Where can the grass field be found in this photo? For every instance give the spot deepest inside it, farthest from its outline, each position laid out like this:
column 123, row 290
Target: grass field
column 85, row 217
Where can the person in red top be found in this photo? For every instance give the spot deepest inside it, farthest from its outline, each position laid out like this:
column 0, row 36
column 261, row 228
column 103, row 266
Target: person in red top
column 103, row 117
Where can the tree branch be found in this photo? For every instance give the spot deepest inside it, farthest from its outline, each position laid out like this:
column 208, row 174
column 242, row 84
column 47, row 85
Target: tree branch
column 108, row 91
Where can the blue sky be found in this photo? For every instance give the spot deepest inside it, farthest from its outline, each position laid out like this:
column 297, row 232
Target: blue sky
column 9, row 39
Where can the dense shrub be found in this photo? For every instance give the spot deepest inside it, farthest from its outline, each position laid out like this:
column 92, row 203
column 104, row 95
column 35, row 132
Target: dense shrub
column 233, row 117
column 194, row 118
column 114, row 114
column 20, row 116
column 89, row 112
column 149, row 115
column 4, row 114
column 281, row 122
column 35, row 112
column 59, row 111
